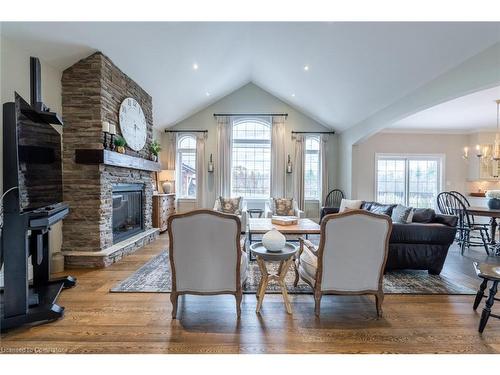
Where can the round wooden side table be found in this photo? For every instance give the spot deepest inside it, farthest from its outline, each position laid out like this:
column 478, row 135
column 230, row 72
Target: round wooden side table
column 285, row 258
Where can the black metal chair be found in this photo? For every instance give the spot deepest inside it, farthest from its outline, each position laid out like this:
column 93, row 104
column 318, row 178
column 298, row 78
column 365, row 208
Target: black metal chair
column 334, row 198
column 450, row 204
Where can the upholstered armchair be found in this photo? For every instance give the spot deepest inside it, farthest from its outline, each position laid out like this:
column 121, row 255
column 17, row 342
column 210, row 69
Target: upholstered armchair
column 207, row 255
column 270, row 209
column 242, row 209
column 350, row 258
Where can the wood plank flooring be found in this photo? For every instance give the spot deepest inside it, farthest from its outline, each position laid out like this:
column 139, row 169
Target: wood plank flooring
column 97, row 321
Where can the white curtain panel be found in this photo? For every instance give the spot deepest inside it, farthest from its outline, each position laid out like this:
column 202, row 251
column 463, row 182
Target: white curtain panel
column 170, row 150
column 223, row 157
column 323, row 150
column 201, row 171
column 298, row 174
column 278, row 158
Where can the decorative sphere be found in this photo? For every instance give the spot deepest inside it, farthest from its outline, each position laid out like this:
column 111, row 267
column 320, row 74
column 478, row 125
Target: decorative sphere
column 273, row 241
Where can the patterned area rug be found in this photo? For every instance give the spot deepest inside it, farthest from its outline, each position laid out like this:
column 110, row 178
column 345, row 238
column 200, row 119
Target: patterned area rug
column 155, row 277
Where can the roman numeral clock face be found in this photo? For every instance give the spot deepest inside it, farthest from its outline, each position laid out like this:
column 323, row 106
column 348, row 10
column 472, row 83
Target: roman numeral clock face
column 133, row 124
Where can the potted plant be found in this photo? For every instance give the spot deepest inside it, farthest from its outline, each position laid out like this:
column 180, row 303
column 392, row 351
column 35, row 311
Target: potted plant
column 155, row 149
column 493, row 199
column 120, row 144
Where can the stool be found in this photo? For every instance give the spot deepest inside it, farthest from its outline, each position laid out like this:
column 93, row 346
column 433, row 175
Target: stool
column 487, row 272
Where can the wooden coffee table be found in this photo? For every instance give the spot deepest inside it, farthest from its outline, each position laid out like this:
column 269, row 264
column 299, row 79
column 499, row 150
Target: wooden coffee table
column 303, row 227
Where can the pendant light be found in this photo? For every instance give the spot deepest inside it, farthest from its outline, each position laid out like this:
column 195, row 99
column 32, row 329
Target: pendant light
column 496, row 147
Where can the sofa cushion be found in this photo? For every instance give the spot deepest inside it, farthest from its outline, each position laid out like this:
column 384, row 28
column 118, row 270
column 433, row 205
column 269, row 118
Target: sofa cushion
column 230, row 205
column 350, row 204
column 423, row 215
column 378, row 208
column 432, row 233
column 283, row 207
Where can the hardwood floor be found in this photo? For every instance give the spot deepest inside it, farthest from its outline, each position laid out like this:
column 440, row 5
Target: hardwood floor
column 97, row 321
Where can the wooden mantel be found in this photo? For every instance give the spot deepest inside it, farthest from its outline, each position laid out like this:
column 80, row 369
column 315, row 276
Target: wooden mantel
column 115, row 159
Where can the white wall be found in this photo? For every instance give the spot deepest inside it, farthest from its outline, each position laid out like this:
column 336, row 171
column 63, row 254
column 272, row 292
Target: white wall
column 252, row 99
column 15, row 76
column 477, row 73
column 451, row 145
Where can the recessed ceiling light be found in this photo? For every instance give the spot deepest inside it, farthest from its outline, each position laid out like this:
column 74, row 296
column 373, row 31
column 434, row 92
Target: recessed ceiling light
column 195, row 66
column 207, row 94
column 306, row 67
column 293, row 95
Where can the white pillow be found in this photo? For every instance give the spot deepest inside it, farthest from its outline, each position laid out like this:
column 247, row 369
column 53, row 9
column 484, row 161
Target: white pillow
column 352, row 204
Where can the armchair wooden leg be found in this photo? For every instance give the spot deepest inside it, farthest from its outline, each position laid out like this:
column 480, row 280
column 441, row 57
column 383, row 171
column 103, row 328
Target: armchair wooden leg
column 239, row 296
column 173, row 298
column 297, row 276
column 379, row 299
column 317, row 302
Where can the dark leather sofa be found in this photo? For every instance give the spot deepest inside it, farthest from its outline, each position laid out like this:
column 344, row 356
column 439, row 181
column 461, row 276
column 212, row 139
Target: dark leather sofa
column 422, row 244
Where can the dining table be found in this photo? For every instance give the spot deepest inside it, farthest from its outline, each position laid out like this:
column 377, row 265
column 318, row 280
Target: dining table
column 493, row 214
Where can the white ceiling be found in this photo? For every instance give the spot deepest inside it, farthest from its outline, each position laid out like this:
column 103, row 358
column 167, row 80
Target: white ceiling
column 356, row 69
column 473, row 112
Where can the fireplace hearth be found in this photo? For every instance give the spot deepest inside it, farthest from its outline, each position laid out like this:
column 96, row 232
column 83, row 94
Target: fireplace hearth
column 127, row 211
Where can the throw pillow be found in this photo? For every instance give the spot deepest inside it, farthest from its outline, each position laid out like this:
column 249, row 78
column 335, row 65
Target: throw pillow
column 283, row 207
column 353, row 204
column 424, row 215
column 230, row 205
column 402, row 214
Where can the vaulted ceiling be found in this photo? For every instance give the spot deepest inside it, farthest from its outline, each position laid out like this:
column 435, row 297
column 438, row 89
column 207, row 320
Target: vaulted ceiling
column 353, row 69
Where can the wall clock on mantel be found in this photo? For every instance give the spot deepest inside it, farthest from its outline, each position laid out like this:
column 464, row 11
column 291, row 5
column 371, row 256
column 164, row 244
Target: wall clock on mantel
column 133, row 124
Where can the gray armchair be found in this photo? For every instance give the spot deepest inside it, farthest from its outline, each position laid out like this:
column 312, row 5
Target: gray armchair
column 269, row 209
column 242, row 217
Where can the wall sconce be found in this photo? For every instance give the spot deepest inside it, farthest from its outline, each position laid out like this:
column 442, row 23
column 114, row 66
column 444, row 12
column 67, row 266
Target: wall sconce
column 289, row 165
column 479, row 154
column 465, row 156
column 210, row 164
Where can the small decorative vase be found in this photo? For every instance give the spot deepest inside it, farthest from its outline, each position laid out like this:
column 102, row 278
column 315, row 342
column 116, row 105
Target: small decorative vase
column 155, row 158
column 494, row 203
column 273, row 241
column 120, row 149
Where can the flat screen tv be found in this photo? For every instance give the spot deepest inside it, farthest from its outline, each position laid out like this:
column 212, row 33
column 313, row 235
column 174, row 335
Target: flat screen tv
column 39, row 159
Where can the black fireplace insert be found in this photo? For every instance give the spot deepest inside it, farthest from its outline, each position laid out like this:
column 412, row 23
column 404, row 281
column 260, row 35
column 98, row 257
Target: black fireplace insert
column 127, row 211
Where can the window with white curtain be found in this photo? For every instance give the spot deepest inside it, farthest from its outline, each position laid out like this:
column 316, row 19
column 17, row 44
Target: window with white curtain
column 186, row 167
column 312, row 173
column 409, row 180
column 251, row 161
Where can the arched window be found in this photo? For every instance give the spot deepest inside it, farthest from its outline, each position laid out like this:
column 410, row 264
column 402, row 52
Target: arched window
column 312, row 175
column 251, row 163
column 186, row 167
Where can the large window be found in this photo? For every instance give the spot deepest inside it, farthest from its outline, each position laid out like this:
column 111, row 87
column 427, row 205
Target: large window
column 312, row 176
column 251, row 163
column 409, row 180
column 186, row 167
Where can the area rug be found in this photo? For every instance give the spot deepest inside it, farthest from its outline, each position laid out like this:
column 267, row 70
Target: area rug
column 155, row 277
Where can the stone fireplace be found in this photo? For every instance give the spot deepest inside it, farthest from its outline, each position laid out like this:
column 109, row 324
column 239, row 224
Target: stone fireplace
column 110, row 195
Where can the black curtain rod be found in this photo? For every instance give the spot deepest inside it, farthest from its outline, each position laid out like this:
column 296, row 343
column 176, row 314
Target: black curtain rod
column 186, row 131
column 250, row 114
column 332, row 132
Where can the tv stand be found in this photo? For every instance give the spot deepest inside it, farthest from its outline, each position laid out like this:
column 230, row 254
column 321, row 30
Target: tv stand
column 27, row 235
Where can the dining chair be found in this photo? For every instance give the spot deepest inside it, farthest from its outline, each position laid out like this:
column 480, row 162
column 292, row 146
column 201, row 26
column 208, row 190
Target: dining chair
column 334, row 198
column 348, row 261
column 466, row 203
column 450, row 204
column 207, row 255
